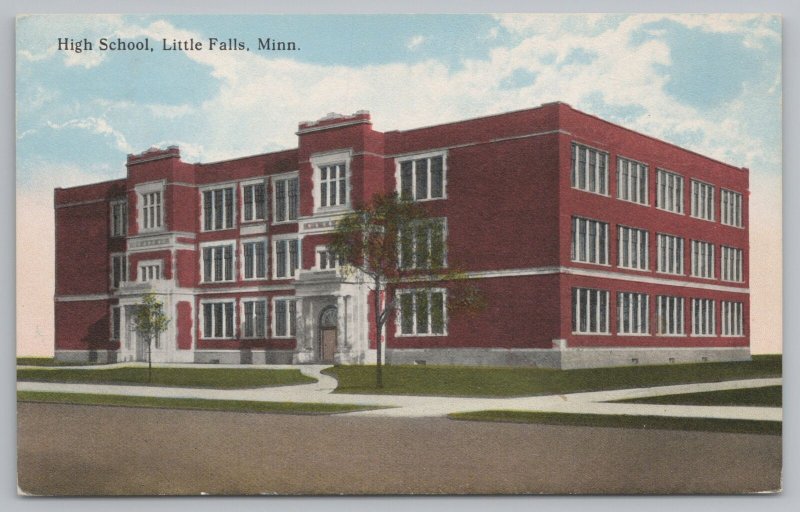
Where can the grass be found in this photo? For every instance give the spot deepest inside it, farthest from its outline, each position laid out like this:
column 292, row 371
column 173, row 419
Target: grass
column 623, row 421
column 218, row 378
column 188, row 403
column 472, row 381
column 769, row 396
column 46, row 361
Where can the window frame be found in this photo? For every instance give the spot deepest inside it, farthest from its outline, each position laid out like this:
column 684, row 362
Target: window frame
column 414, row 321
column 115, row 322
column 213, row 190
column 738, row 209
column 124, row 274
column 118, row 230
column 738, row 264
column 574, row 174
column 144, row 190
column 682, row 259
column 243, row 267
column 285, row 177
column 641, row 242
column 288, row 318
column 642, row 169
column 702, row 314
column 645, row 319
column 243, row 318
column 600, row 249
column 660, row 198
column 576, row 312
column 695, row 210
column 213, row 245
column 732, row 318
column 142, row 270
column 253, row 203
column 288, row 270
column 413, row 158
column 202, row 318
column 441, row 222
column 671, row 300
column 700, row 248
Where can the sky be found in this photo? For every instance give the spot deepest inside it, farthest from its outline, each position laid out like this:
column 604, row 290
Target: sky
column 709, row 83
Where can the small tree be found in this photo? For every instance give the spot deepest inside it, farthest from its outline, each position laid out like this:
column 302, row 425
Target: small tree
column 150, row 322
column 391, row 241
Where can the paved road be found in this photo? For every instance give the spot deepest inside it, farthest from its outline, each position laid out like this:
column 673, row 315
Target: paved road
column 432, row 406
column 68, row 450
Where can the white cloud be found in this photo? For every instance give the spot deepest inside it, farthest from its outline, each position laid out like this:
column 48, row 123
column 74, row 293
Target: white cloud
column 415, row 41
column 96, row 125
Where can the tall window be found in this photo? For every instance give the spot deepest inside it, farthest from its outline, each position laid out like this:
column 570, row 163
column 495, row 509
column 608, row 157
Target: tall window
column 119, row 269
column 218, row 263
column 589, row 311
column 287, row 257
column 589, row 241
column 287, row 199
column 669, row 315
column 255, row 318
column 732, row 264
column 116, row 322
column 732, row 319
column 702, row 200
column 333, row 185
column 633, row 249
column 119, row 218
column 151, row 210
column 670, row 254
column 218, row 319
column 326, row 259
column 254, row 202
column 255, row 259
column 632, row 181
column 669, row 191
column 422, row 244
column 149, row 271
column 703, row 320
column 731, row 208
column 285, row 313
column 422, row 312
column 632, row 309
column 702, row 259
column 218, row 209
column 589, row 169
column 422, row 178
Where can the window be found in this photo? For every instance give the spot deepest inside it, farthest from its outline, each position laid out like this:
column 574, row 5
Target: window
column 254, row 318
column 702, row 259
column 632, row 181
column 702, row 200
column 669, row 315
column 119, row 218
column 119, row 269
column 285, row 315
column 327, row 260
column 149, row 271
column 703, row 321
column 116, row 322
column 218, row 209
column 333, row 185
column 589, row 311
column 151, row 211
column 670, row 254
column 732, row 319
column 254, row 200
column 287, row 192
column 422, row 312
column 287, row 257
column 633, row 248
column 218, row 263
column 589, row 169
column 632, row 309
column 218, row 319
column 422, row 178
column 732, row 264
column 731, row 208
column 669, row 191
column 255, row 259
column 422, row 244
column 589, row 241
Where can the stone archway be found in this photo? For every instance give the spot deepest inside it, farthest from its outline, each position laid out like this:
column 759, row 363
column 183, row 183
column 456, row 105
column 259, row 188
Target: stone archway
column 328, row 321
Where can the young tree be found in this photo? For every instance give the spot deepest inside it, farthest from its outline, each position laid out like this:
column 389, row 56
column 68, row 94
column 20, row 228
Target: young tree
column 391, row 241
column 150, row 322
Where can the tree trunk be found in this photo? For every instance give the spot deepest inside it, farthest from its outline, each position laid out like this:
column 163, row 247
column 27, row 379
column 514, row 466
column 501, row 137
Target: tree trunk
column 378, row 367
column 149, row 361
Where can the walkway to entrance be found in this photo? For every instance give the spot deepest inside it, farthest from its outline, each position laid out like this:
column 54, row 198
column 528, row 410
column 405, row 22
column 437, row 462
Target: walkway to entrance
column 431, row 406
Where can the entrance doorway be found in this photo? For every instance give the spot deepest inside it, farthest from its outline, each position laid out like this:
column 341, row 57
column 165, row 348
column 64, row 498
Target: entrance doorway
column 328, row 334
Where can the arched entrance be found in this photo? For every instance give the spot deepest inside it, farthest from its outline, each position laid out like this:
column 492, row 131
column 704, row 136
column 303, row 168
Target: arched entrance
column 328, row 320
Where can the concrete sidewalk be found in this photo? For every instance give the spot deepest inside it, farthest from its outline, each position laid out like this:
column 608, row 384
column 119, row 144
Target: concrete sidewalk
column 433, row 406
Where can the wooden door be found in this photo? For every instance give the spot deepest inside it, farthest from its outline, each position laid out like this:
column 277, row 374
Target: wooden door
column 327, row 344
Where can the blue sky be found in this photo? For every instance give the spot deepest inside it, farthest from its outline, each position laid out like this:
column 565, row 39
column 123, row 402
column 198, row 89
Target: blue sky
column 711, row 83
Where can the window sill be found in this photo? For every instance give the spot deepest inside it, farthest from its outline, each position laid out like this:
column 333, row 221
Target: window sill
column 646, row 205
column 672, row 335
column 279, row 222
column 713, row 221
column 425, row 335
column 633, row 269
column 591, row 333
column 590, row 192
column 670, row 211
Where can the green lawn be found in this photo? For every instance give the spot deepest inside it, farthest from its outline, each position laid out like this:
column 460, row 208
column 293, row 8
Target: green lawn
column 622, row 421
column 220, row 378
column 188, row 403
column 770, row 396
column 476, row 381
column 46, row 361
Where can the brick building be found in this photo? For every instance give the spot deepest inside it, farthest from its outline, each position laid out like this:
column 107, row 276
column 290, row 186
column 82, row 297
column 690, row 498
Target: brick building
column 592, row 244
